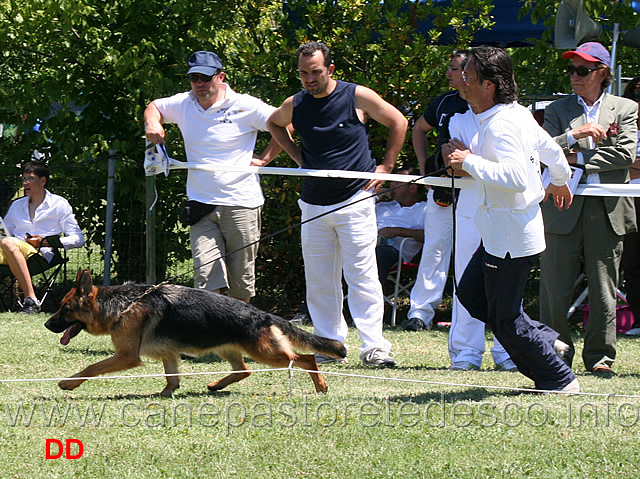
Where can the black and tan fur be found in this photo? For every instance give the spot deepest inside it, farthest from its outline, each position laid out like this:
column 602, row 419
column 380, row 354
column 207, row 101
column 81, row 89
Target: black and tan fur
column 170, row 320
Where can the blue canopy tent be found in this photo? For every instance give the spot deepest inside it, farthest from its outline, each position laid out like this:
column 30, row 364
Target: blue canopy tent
column 510, row 29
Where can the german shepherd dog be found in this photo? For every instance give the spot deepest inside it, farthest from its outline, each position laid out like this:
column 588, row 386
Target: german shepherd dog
column 163, row 322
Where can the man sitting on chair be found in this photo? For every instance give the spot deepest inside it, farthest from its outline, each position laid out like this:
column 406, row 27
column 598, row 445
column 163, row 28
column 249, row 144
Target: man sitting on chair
column 29, row 220
column 401, row 218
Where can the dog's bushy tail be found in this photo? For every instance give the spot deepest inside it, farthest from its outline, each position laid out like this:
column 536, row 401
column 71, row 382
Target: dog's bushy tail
column 304, row 340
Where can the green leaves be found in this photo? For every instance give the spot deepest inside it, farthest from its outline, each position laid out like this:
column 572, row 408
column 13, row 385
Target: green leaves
column 100, row 62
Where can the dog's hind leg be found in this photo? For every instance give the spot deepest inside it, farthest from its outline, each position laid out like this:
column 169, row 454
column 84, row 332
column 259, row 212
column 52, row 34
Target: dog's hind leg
column 234, row 356
column 173, row 382
column 280, row 359
column 308, row 362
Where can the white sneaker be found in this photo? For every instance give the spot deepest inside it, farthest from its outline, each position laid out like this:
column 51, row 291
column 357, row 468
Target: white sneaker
column 633, row 332
column 561, row 348
column 379, row 358
column 507, row 365
column 572, row 388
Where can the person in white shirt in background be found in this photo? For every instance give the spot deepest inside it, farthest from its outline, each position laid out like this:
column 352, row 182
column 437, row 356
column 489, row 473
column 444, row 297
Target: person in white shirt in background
column 400, row 218
column 506, row 167
column 29, row 220
column 426, row 294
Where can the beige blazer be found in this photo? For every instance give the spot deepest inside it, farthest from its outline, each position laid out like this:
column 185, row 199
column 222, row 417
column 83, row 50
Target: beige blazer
column 610, row 159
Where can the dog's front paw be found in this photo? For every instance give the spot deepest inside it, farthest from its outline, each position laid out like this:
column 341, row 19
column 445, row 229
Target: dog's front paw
column 69, row 384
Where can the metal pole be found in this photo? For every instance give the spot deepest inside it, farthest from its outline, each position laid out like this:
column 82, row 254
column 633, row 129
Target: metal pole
column 614, row 50
column 108, row 235
column 150, row 199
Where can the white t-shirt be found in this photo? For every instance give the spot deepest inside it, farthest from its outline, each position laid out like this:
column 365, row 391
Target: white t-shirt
column 393, row 214
column 225, row 133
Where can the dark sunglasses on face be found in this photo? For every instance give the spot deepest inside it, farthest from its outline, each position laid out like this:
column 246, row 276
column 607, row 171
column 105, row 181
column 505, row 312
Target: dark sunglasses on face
column 582, row 71
column 194, row 77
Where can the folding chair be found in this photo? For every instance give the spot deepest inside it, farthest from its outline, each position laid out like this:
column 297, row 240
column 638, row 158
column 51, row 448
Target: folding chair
column 395, row 275
column 582, row 297
column 38, row 265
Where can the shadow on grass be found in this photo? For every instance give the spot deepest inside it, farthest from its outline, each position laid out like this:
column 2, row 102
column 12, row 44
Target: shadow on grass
column 87, row 352
column 473, row 395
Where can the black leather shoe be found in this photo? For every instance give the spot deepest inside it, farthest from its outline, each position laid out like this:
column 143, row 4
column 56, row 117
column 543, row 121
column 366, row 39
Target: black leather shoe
column 413, row 324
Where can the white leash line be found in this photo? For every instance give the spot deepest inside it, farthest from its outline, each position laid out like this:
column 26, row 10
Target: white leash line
column 269, row 170
column 291, row 370
column 156, row 163
column 462, row 183
column 473, row 386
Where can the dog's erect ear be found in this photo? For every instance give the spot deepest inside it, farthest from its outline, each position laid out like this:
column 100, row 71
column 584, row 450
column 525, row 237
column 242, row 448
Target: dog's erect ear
column 78, row 276
column 84, row 283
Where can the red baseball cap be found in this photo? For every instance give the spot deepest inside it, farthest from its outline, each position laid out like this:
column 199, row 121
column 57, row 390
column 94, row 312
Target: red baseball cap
column 592, row 52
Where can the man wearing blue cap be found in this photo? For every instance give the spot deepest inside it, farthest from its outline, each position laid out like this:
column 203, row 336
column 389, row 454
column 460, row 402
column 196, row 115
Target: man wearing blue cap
column 219, row 126
column 597, row 132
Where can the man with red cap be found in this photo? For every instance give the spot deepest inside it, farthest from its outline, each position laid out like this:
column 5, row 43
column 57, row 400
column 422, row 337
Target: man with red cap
column 598, row 133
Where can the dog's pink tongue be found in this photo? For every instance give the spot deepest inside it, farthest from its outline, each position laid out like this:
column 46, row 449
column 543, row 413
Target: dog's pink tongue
column 66, row 337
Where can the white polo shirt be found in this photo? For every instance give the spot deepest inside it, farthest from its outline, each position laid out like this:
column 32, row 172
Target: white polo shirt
column 225, row 133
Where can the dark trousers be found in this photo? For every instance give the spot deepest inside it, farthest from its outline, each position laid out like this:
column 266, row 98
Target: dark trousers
column 631, row 268
column 387, row 257
column 492, row 289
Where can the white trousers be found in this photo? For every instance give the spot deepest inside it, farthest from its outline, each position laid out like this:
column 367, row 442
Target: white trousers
column 426, row 294
column 343, row 242
column 467, row 334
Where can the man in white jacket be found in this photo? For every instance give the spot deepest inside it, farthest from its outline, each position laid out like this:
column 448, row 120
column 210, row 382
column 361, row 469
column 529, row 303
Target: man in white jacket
column 467, row 334
column 506, row 167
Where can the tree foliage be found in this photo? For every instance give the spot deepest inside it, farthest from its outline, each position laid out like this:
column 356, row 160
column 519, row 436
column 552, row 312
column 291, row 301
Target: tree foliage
column 88, row 68
column 540, row 69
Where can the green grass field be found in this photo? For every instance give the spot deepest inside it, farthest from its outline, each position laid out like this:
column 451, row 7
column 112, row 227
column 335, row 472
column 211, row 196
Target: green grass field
column 419, row 420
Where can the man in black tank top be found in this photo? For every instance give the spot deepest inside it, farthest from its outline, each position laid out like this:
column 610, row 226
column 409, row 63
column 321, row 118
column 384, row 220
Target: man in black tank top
column 330, row 118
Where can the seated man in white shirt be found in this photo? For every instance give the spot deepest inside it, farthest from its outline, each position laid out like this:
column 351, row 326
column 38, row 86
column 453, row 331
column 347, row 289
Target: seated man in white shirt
column 29, row 220
column 400, row 218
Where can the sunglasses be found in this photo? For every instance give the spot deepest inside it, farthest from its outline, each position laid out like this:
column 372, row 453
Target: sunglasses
column 195, row 77
column 581, row 70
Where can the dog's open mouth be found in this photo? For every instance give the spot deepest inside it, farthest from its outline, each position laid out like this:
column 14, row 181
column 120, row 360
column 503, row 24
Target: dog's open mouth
column 71, row 332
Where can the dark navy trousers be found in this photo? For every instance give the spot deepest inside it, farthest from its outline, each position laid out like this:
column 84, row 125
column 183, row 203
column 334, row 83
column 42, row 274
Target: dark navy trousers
column 492, row 289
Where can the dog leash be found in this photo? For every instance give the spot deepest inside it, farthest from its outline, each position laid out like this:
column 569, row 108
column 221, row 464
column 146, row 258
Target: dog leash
column 439, row 172
column 172, row 279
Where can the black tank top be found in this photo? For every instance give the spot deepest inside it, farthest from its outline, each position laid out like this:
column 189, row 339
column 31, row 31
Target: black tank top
column 332, row 138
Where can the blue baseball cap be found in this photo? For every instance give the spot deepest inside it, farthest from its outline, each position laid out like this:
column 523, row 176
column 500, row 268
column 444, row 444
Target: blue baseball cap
column 207, row 63
column 592, row 52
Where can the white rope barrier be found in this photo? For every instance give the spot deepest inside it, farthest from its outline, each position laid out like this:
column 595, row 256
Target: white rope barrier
column 291, row 370
column 156, row 164
column 462, row 183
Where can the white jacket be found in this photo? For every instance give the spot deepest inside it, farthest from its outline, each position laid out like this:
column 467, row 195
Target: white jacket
column 511, row 146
